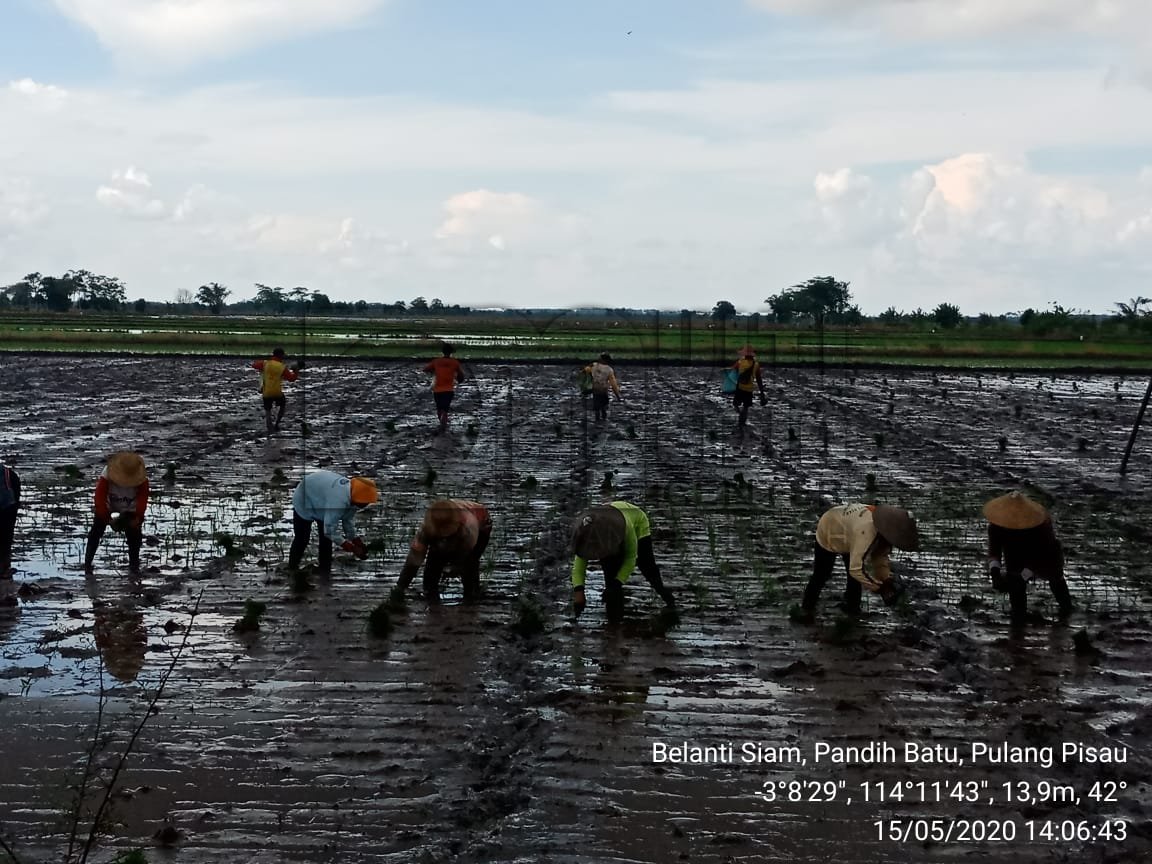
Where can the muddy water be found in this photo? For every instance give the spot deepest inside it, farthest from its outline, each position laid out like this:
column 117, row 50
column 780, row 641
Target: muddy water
column 457, row 739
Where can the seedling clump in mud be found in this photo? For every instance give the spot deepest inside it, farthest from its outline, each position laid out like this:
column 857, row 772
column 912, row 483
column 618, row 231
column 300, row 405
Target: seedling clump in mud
column 529, row 618
column 253, row 612
column 380, row 619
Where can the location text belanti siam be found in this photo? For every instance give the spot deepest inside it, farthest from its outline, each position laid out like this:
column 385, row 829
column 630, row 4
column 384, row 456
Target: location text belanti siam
column 885, row 753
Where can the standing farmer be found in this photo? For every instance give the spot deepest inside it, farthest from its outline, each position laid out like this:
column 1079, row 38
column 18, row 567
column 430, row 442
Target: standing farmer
column 9, row 507
column 446, row 374
column 749, row 376
column 603, row 381
column 121, row 490
column 273, row 372
column 860, row 534
column 454, row 534
column 620, row 538
column 1022, row 546
column 332, row 501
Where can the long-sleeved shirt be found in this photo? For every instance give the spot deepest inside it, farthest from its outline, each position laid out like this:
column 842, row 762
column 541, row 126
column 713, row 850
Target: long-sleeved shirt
column 636, row 528
column 474, row 520
column 272, row 373
column 603, row 378
column 849, row 530
column 9, row 480
column 326, row 497
column 113, row 498
column 1036, row 549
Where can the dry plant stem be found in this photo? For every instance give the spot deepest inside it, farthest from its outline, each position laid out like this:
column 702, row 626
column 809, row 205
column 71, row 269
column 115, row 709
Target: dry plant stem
column 136, row 732
column 94, row 747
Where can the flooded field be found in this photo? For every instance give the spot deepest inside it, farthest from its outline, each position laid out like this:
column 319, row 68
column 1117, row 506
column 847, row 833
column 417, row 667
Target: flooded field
column 460, row 738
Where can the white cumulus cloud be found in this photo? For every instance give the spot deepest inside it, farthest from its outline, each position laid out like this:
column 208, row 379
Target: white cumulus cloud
column 175, row 32
column 129, row 193
column 491, row 217
column 1128, row 18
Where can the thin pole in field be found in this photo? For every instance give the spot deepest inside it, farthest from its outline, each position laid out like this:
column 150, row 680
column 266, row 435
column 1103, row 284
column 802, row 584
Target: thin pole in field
column 1135, row 429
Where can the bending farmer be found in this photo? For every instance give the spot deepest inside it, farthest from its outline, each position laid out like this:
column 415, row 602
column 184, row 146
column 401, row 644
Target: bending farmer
column 332, row 501
column 121, row 490
column 454, row 534
column 863, row 536
column 619, row 537
column 1022, row 546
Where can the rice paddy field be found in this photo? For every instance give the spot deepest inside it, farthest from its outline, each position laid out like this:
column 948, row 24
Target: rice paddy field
column 505, row 732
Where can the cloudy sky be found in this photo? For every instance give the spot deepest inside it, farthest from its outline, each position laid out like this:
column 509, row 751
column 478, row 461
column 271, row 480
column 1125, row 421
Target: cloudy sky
column 996, row 154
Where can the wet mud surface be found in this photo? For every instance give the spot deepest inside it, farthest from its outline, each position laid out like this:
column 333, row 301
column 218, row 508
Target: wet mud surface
column 457, row 738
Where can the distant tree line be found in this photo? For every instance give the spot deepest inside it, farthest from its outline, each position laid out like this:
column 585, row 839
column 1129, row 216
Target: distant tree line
column 822, row 301
column 80, row 289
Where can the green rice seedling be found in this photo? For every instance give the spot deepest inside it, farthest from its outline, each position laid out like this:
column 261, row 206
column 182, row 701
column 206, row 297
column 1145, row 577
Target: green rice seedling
column 528, row 616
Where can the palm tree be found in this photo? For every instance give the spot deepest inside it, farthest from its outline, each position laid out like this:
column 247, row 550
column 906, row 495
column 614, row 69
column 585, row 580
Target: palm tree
column 1132, row 309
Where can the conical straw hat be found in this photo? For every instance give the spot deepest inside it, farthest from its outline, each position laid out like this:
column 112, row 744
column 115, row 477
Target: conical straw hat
column 126, row 469
column 1015, row 511
column 441, row 519
column 598, row 533
column 897, row 526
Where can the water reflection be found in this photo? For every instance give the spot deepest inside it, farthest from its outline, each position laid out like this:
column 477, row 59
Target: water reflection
column 119, row 630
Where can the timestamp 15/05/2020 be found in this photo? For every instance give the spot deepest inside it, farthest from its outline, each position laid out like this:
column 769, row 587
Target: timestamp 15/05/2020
column 944, row 830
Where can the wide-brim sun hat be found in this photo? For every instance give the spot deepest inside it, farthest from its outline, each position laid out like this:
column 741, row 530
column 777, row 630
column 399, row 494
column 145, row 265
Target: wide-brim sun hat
column 897, row 526
column 598, row 533
column 1015, row 511
column 363, row 490
column 126, row 469
column 441, row 519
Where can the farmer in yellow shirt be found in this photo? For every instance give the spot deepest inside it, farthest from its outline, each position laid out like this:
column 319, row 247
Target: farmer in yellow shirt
column 749, row 376
column 273, row 372
column 620, row 538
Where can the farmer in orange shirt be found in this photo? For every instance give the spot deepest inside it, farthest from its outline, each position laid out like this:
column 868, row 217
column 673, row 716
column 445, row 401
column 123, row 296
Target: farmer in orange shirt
column 447, row 373
column 273, row 372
